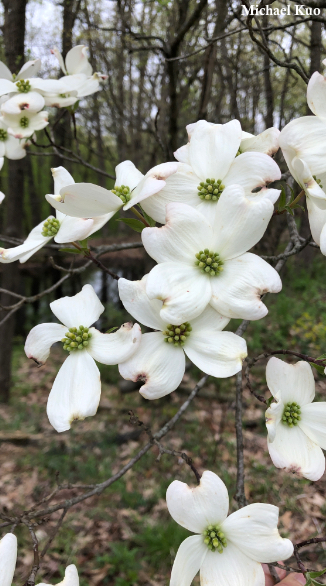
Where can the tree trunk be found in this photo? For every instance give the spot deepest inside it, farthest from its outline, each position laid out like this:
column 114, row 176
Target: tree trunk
column 14, row 38
column 269, row 94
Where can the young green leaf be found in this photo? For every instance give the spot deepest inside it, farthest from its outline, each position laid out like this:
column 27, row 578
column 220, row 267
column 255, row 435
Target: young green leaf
column 318, row 367
column 112, row 329
column 135, row 225
column 71, row 250
column 148, row 219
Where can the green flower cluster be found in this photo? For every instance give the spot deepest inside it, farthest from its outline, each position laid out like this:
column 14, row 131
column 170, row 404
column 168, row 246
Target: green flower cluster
column 50, row 227
column 23, row 86
column 210, row 190
column 76, row 339
column 3, row 134
column 214, row 538
column 209, row 262
column 291, row 414
column 123, row 192
column 177, row 335
column 24, row 122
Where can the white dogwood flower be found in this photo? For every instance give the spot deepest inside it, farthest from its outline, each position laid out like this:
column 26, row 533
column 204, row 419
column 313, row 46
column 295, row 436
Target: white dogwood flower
column 85, row 200
column 10, row 147
column 24, row 125
column 2, row 195
column 159, row 361
column 303, row 142
column 227, row 551
column 76, row 391
column 63, row 229
column 71, row 578
column 203, row 263
column 296, row 426
column 25, row 81
column 212, row 161
column 79, row 80
column 8, row 557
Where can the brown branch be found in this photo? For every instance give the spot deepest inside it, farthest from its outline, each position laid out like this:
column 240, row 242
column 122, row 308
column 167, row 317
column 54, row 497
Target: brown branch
column 97, row 489
column 36, row 564
column 240, row 496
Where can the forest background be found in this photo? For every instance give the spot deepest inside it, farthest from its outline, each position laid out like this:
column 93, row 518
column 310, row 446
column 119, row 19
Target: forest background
column 169, row 63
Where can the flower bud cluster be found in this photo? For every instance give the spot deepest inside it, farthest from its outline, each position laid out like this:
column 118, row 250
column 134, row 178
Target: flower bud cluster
column 177, row 335
column 23, row 86
column 3, row 134
column 209, row 262
column 210, row 190
column 76, row 339
column 50, row 227
column 214, row 538
column 291, row 414
column 123, row 192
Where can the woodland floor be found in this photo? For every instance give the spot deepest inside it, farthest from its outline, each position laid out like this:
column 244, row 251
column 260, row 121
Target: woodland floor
column 125, row 536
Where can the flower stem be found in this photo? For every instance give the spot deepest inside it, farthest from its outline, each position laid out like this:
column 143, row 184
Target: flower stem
column 140, row 217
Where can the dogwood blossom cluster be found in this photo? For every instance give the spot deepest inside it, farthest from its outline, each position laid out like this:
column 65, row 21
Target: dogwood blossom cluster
column 212, row 206
column 23, row 97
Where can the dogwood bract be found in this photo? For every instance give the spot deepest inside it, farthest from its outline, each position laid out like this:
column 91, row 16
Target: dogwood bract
column 77, row 387
column 210, row 162
column 159, row 361
column 228, row 551
column 85, row 200
column 8, row 557
column 203, row 263
column 71, row 578
column 25, row 81
column 296, row 426
column 10, row 147
column 62, row 228
column 78, row 81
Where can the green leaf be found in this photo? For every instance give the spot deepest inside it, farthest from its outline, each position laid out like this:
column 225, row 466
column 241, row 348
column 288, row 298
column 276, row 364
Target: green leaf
column 71, row 250
column 83, row 244
column 269, row 401
column 135, row 225
column 318, row 367
column 112, row 329
column 310, row 578
column 282, row 200
column 148, row 219
column 322, row 357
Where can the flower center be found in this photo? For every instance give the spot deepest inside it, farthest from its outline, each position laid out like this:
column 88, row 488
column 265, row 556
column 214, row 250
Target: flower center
column 23, row 86
column 210, row 190
column 318, row 181
column 50, row 227
column 209, row 262
column 214, row 538
column 123, row 192
column 24, row 122
column 239, row 152
column 291, row 414
column 177, row 335
column 3, row 134
column 76, row 339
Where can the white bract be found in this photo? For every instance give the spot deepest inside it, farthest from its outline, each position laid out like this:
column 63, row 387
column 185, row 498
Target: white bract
column 78, row 81
column 23, row 125
column 62, row 228
column 77, row 387
column 85, row 200
column 316, row 94
column 2, row 195
column 228, row 551
column 8, row 557
column 296, row 426
column 10, row 147
column 159, row 362
column 71, row 578
column 203, row 263
column 210, row 162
